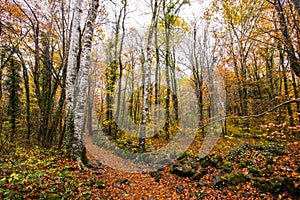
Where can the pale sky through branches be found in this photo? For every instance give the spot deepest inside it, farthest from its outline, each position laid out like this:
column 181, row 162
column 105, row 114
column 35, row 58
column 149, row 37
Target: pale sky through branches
column 139, row 12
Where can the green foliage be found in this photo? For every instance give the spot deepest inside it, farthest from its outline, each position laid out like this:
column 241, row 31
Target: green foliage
column 43, row 174
column 236, row 178
column 227, row 167
column 13, row 87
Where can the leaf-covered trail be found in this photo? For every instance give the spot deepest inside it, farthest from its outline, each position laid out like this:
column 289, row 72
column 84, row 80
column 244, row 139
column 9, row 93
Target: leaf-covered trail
column 166, row 185
column 106, row 157
column 270, row 171
column 124, row 185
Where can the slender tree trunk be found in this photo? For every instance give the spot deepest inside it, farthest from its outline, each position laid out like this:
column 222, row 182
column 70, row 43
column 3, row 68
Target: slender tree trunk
column 27, row 93
column 157, row 78
column 198, row 82
column 120, row 61
column 1, row 84
column 62, row 99
column 167, row 29
column 174, row 88
column 36, row 78
column 296, row 94
column 294, row 61
column 286, row 90
column 147, row 72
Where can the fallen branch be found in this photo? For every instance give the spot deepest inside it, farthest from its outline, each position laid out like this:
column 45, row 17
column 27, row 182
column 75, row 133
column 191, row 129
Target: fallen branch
column 266, row 112
column 252, row 116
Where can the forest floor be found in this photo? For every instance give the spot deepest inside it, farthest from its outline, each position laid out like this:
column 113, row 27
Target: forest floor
column 245, row 171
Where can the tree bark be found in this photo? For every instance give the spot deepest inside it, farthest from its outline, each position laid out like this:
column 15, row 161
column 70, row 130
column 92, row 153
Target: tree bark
column 77, row 82
column 147, row 72
column 294, row 62
column 71, row 76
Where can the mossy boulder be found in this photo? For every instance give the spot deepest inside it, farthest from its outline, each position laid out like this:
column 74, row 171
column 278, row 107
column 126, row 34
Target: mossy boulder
column 236, row 178
column 182, row 155
column 217, row 161
column 263, row 172
column 122, row 181
column 272, row 185
column 183, row 170
column 204, row 161
column 227, row 167
column 239, row 151
column 241, row 165
column 199, row 175
column 13, row 195
column 277, row 186
column 269, row 160
column 289, row 186
column 163, row 162
column 259, row 182
column 244, row 163
column 217, row 182
column 156, row 175
column 180, row 189
column 100, row 184
column 270, row 170
column 253, row 171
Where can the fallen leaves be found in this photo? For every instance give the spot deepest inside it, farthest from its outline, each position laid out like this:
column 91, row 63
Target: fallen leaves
column 38, row 174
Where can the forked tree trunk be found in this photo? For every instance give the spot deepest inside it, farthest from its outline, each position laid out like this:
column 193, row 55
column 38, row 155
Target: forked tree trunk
column 77, row 82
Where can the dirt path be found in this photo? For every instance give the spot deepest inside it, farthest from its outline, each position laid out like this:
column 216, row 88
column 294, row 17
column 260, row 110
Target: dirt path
column 107, row 157
column 122, row 183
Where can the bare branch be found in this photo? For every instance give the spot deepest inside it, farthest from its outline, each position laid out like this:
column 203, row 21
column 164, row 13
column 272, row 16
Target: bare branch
column 253, row 116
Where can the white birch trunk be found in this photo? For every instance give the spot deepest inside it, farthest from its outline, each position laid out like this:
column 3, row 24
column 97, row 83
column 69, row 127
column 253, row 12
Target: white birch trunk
column 71, row 74
column 145, row 108
column 80, row 84
column 83, row 75
column 73, row 54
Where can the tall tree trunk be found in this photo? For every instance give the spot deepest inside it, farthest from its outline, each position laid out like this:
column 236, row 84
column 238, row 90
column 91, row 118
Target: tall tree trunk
column 77, row 82
column 82, row 81
column 286, row 89
column 296, row 94
column 27, row 94
column 198, row 81
column 90, row 104
column 147, row 72
column 157, row 76
column 294, row 61
column 167, row 29
column 174, row 87
column 71, row 76
column 120, row 61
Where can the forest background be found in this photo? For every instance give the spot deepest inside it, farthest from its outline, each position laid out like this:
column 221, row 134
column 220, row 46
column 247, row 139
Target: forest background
column 141, row 74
